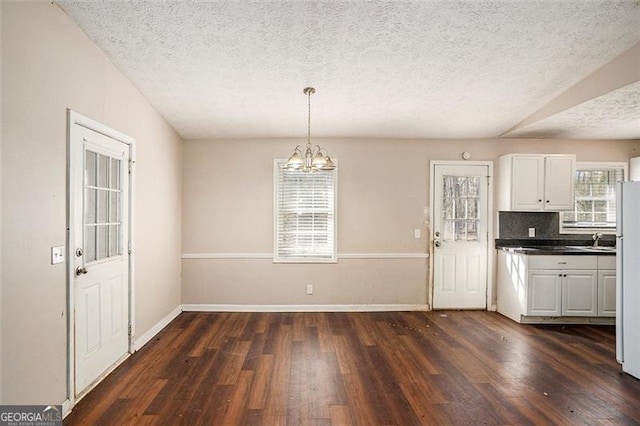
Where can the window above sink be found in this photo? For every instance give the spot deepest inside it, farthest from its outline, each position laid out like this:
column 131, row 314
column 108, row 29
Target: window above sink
column 594, row 206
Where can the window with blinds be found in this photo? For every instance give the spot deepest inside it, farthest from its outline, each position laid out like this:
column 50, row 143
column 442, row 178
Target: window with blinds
column 305, row 215
column 594, row 207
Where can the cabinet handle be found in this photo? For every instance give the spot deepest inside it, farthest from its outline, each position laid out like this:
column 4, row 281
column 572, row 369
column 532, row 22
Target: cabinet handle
column 562, row 263
column 560, row 275
column 565, row 275
column 547, row 201
column 540, row 200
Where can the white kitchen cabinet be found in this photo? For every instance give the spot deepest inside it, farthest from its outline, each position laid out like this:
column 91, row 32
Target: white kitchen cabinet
column 580, row 293
column 562, row 293
column 544, row 293
column 607, row 293
column 607, row 286
column 532, row 182
column 531, row 287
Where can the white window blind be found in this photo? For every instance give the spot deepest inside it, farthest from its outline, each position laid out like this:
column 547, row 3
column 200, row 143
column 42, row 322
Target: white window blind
column 305, row 219
column 594, row 207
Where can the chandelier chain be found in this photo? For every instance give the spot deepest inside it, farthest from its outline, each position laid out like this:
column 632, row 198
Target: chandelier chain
column 309, row 117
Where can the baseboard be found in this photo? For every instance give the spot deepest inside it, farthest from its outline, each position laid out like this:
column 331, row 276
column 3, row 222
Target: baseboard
column 568, row 320
column 301, row 308
column 139, row 342
column 66, row 408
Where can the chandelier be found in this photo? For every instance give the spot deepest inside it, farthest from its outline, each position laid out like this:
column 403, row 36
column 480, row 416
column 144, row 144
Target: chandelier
column 314, row 158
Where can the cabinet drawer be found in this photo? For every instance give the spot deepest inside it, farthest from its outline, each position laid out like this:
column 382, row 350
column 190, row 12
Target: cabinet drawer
column 606, row 262
column 563, row 262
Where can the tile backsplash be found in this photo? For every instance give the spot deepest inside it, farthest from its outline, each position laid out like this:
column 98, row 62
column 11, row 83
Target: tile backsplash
column 515, row 225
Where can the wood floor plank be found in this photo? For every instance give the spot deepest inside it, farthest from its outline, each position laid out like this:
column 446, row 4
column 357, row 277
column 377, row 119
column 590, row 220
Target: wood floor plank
column 379, row 368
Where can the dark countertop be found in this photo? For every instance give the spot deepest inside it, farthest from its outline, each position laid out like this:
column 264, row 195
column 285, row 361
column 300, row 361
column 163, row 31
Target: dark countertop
column 556, row 246
column 561, row 250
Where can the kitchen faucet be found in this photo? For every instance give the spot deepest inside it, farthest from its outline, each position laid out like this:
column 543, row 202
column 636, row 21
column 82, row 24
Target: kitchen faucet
column 596, row 237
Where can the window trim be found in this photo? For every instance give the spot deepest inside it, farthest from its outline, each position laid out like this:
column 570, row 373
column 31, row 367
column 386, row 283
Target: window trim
column 593, row 165
column 303, row 259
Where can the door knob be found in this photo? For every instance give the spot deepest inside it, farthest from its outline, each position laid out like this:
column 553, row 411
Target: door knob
column 436, row 243
column 81, row 270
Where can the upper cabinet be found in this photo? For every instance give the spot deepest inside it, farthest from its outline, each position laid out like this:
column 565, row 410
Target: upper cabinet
column 536, row 182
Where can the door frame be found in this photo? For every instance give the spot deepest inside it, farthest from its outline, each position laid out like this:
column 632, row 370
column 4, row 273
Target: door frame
column 75, row 120
column 490, row 219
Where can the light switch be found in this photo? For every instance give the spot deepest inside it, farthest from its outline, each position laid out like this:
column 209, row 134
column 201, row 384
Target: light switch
column 416, row 233
column 57, row 255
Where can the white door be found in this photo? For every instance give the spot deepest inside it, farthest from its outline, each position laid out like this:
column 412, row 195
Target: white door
column 460, row 210
column 99, row 249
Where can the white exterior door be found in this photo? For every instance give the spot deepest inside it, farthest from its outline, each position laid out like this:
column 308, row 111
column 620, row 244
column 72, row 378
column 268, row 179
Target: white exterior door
column 460, row 218
column 99, row 175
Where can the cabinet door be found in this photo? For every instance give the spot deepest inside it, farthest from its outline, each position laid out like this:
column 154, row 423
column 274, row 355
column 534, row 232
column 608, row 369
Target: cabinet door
column 544, row 292
column 527, row 183
column 580, row 293
column 559, row 182
column 607, row 293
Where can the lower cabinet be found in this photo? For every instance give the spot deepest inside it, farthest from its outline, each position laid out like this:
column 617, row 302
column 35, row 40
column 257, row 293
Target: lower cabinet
column 580, row 293
column 555, row 286
column 607, row 293
column 544, row 293
column 560, row 292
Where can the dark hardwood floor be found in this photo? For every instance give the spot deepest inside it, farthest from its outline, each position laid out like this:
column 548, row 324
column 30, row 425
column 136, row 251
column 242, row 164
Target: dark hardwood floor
column 387, row 368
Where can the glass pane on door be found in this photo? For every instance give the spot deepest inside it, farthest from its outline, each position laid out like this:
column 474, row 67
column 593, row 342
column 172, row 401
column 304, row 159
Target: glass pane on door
column 460, row 197
column 102, row 204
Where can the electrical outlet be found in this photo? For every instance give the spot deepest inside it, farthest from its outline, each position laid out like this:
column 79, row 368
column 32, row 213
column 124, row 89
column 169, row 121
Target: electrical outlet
column 532, row 232
column 416, row 233
column 309, row 288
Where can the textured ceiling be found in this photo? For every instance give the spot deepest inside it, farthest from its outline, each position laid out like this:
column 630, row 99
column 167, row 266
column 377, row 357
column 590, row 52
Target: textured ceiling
column 443, row 69
column 615, row 115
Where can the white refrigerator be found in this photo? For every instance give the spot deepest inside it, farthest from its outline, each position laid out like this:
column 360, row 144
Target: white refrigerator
column 628, row 277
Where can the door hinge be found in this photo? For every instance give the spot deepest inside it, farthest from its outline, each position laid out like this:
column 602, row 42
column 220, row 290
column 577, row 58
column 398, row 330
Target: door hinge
column 129, row 247
column 129, row 329
column 131, row 165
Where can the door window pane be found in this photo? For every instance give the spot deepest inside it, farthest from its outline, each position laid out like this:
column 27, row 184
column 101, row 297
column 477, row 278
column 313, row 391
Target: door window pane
column 447, row 209
column 103, row 171
column 448, row 233
column 460, row 202
column 103, row 241
column 114, row 207
column 461, row 230
column 472, row 208
column 114, row 240
column 115, row 174
column 90, row 168
column 472, row 230
column 102, row 204
column 90, row 206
